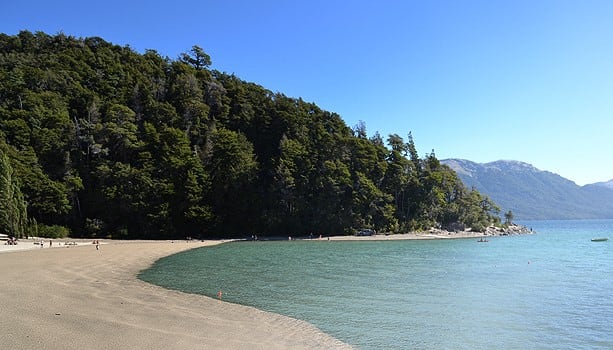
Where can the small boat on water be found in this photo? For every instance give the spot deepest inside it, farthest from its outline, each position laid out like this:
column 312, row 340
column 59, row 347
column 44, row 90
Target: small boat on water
column 600, row 239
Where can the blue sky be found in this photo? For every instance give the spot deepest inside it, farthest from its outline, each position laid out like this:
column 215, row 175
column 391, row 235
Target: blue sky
column 480, row 80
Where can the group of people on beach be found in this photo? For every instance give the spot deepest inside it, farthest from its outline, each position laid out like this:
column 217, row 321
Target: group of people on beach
column 11, row 241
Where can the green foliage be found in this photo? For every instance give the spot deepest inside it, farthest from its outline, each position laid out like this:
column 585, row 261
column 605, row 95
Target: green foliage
column 13, row 215
column 197, row 57
column 508, row 217
column 53, row 231
column 112, row 143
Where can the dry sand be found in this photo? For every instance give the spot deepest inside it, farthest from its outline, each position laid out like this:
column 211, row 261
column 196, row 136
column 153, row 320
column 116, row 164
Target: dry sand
column 82, row 298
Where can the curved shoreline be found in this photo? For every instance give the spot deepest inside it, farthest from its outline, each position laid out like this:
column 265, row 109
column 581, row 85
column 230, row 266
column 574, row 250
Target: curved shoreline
column 83, row 298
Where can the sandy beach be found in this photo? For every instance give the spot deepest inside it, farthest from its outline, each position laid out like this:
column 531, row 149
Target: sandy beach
column 77, row 297
column 436, row 234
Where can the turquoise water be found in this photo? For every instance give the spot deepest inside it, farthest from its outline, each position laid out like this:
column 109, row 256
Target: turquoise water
column 551, row 290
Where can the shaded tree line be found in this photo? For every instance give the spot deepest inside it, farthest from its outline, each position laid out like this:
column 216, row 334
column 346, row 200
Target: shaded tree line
column 113, row 143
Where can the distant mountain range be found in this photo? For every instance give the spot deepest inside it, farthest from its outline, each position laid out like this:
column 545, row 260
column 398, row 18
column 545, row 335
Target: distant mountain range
column 608, row 184
column 533, row 194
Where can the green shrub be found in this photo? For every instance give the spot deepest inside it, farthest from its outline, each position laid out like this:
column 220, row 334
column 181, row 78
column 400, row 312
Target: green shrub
column 479, row 226
column 54, row 231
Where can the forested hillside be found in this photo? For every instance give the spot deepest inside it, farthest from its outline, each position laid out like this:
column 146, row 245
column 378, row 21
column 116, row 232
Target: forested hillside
column 108, row 142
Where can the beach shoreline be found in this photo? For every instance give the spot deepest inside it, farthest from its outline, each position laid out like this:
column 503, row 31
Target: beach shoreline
column 438, row 234
column 75, row 294
column 33, row 243
column 78, row 297
column 431, row 234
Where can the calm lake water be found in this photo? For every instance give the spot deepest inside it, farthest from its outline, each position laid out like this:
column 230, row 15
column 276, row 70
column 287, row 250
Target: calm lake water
column 550, row 290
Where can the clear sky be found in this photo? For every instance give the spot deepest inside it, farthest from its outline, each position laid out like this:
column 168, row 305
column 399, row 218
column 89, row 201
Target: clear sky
column 528, row 80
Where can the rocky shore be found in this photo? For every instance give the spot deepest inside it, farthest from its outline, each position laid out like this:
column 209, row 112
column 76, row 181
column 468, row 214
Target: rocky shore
column 435, row 233
column 490, row 231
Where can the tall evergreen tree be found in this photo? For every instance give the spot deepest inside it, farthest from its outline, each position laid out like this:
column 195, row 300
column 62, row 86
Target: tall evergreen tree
column 13, row 213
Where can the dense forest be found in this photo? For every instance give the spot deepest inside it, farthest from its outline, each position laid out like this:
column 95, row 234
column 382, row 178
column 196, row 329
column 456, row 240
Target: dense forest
column 101, row 141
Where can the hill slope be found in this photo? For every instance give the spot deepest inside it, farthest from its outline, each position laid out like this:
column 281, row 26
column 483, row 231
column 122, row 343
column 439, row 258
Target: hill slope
column 533, row 194
column 107, row 142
